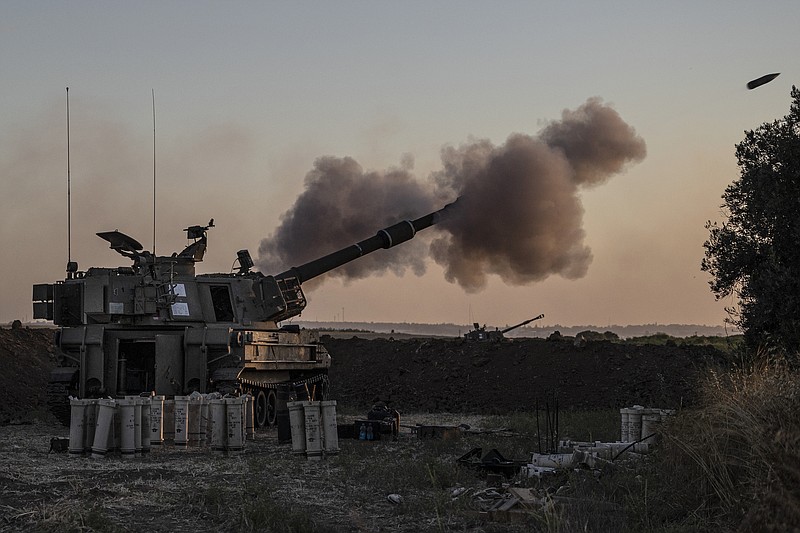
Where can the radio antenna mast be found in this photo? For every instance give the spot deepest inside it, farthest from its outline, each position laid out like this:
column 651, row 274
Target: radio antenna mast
column 153, row 92
column 69, row 202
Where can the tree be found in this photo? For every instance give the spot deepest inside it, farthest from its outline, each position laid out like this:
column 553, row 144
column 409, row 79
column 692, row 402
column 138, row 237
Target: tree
column 754, row 254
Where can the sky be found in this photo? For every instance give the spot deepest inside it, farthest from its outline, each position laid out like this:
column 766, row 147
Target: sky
column 249, row 96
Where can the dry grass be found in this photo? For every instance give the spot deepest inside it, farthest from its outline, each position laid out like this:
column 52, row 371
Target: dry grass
column 731, row 464
column 734, row 463
column 265, row 489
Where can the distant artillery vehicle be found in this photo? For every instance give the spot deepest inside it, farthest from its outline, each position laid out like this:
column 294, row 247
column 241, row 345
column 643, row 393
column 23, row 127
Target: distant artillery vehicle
column 479, row 333
column 157, row 327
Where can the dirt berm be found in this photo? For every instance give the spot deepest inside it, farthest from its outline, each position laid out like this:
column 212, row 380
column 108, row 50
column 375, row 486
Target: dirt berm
column 436, row 375
column 26, row 357
column 458, row 376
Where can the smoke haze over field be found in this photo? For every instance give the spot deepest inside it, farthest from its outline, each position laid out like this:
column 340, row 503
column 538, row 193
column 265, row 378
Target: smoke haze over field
column 519, row 215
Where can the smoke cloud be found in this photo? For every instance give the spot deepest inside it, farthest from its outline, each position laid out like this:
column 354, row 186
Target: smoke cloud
column 343, row 204
column 519, row 215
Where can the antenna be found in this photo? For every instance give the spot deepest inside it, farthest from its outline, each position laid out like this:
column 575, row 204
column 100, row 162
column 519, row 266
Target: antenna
column 154, row 170
column 69, row 200
column 71, row 267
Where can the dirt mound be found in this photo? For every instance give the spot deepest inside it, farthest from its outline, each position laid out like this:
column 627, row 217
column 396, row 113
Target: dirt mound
column 435, row 375
column 457, row 376
column 26, row 357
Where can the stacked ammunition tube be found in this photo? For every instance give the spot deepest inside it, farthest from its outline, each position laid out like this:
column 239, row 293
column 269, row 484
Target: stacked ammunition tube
column 313, row 428
column 640, row 424
column 134, row 425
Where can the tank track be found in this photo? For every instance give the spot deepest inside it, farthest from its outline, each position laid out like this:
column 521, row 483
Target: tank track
column 293, row 385
column 58, row 401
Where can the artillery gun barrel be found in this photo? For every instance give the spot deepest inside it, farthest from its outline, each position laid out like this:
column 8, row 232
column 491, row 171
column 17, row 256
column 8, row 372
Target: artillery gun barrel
column 385, row 238
column 523, row 323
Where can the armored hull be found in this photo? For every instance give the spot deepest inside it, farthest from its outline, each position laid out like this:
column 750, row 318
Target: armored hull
column 156, row 327
column 161, row 329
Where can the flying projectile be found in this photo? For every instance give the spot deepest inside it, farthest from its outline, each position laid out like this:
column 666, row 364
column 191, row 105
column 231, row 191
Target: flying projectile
column 758, row 82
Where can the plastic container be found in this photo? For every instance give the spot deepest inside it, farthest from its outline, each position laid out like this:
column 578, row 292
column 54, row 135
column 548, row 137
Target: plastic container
column 144, row 430
column 249, row 417
column 195, row 413
column 156, row 420
column 553, row 460
column 102, row 432
column 218, row 427
column 312, row 421
column 635, row 423
column 651, row 421
column 137, row 426
column 298, row 428
column 235, row 436
column 77, row 429
column 330, row 435
column 624, row 414
column 181, row 421
column 89, row 425
column 127, row 421
column 168, row 421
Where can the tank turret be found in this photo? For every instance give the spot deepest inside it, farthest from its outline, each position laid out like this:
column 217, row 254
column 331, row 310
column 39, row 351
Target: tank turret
column 155, row 326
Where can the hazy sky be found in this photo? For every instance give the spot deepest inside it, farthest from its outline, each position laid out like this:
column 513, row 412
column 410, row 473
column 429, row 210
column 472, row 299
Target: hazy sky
column 250, row 94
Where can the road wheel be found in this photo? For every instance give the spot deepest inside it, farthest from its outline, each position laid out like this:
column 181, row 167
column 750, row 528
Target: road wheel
column 261, row 409
column 272, row 408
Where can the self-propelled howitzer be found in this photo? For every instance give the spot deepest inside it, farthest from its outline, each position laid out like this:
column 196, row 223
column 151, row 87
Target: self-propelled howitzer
column 157, row 327
column 480, row 334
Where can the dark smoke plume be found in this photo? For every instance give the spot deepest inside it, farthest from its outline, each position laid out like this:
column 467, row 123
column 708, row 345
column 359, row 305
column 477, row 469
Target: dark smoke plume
column 341, row 205
column 519, row 216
